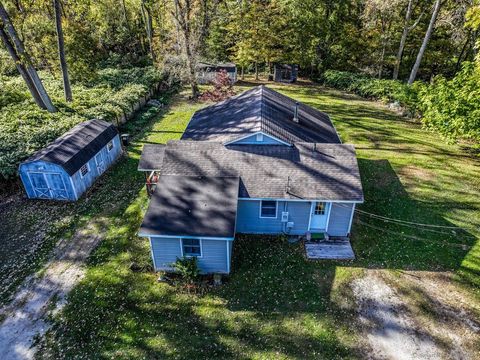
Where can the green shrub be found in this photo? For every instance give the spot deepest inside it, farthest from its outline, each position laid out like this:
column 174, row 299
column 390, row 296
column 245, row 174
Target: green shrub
column 24, row 128
column 452, row 107
column 187, row 268
column 366, row 86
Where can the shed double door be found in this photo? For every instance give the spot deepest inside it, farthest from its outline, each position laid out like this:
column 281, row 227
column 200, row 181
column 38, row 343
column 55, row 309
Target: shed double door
column 48, row 185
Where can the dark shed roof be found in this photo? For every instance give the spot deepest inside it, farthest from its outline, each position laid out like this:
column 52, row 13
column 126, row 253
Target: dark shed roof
column 74, row 148
column 192, row 206
column 261, row 109
column 152, row 154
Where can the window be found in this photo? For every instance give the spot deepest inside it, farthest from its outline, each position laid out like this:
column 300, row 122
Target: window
column 268, row 209
column 84, row 170
column 191, row 247
column 259, row 137
column 319, row 208
column 110, row 146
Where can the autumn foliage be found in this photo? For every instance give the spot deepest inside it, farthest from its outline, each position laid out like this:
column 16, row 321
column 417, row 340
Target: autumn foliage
column 222, row 88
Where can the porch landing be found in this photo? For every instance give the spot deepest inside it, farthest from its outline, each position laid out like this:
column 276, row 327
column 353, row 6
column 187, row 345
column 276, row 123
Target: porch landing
column 333, row 250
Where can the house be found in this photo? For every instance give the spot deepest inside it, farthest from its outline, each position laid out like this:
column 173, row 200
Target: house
column 257, row 163
column 206, row 73
column 285, row 72
column 67, row 167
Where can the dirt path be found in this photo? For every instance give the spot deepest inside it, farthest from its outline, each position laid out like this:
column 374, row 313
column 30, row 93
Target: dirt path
column 390, row 329
column 25, row 317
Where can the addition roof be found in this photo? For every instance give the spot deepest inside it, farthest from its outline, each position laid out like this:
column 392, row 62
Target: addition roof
column 202, row 206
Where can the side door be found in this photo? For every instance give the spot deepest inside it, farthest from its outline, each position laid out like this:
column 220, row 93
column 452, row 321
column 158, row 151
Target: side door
column 319, row 216
column 40, row 185
column 57, row 186
column 100, row 161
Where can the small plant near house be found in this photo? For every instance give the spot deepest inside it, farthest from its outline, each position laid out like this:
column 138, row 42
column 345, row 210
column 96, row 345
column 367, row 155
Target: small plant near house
column 188, row 270
column 222, row 88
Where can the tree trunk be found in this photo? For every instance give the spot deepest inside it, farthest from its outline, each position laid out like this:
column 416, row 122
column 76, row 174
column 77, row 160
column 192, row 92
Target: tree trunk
column 147, row 18
column 25, row 60
column 426, row 39
column 21, row 69
column 61, row 51
column 243, row 73
column 403, row 40
column 256, row 70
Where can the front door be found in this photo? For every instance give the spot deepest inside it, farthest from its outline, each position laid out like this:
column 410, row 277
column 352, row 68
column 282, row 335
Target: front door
column 40, row 185
column 319, row 216
column 100, row 163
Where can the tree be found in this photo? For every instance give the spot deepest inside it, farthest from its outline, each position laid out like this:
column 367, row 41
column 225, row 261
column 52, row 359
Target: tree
column 61, row 50
column 184, row 15
column 22, row 56
column 406, row 30
column 147, row 20
column 428, row 34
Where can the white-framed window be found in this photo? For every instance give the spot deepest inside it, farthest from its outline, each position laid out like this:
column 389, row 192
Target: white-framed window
column 192, row 247
column 268, row 209
column 84, row 170
column 110, row 146
column 319, row 208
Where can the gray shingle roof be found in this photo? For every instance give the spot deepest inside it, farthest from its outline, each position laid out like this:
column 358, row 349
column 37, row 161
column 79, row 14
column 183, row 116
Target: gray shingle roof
column 152, row 154
column 302, row 171
column 260, row 109
column 192, row 206
column 74, row 148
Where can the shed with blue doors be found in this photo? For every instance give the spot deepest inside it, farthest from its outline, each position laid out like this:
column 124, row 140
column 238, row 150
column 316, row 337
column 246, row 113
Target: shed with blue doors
column 67, row 167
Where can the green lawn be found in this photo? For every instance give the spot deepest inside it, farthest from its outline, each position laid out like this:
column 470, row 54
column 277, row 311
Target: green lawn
column 275, row 304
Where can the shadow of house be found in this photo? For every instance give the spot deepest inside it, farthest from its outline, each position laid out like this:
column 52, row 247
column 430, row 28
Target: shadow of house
column 387, row 244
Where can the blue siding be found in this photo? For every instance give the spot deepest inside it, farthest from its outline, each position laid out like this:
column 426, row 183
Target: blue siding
column 165, row 251
column 214, row 254
column 83, row 183
column 339, row 222
column 267, row 140
column 46, row 176
column 249, row 221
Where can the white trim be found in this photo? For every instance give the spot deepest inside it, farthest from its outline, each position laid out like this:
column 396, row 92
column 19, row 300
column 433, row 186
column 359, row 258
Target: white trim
column 33, row 187
column 151, row 252
column 304, row 200
column 268, row 217
column 351, row 219
column 255, row 134
column 330, row 205
column 228, row 256
column 310, row 215
column 185, row 237
column 73, row 188
column 191, row 256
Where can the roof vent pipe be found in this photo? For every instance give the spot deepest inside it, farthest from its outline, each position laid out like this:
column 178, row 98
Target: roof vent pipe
column 295, row 112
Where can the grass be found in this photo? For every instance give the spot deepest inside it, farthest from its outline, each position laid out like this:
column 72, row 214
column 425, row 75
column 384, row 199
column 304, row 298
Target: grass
column 275, row 304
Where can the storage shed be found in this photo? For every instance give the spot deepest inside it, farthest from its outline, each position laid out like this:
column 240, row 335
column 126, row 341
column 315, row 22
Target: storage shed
column 206, row 73
column 285, row 72
column 67, row 167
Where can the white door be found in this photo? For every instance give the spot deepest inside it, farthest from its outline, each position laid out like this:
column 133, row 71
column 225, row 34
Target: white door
column 100, row 163
column 319, row 216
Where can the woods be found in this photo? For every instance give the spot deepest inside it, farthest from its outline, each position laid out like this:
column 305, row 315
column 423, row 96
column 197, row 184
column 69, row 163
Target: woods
column 430, row 42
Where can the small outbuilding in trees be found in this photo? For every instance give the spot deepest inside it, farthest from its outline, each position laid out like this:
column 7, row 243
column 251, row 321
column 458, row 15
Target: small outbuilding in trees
column 285, row 72
column 207, row 73
column 67, row 167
